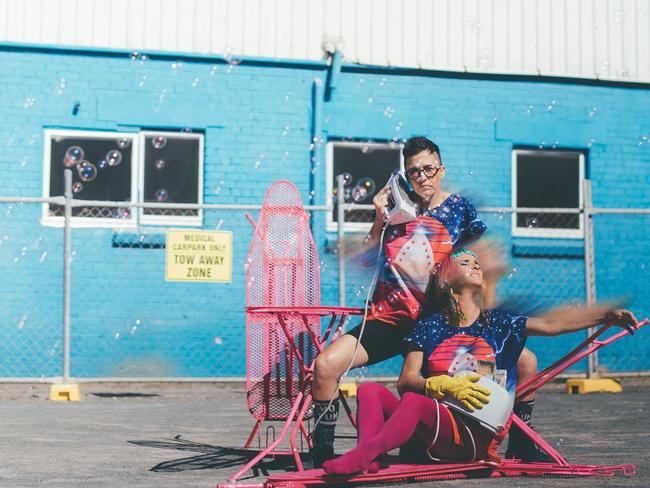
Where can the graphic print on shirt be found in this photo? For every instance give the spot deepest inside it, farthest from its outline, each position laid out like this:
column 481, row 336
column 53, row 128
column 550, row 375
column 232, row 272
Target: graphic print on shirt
column 491, row 344
column 414, row 251
column 462, row 353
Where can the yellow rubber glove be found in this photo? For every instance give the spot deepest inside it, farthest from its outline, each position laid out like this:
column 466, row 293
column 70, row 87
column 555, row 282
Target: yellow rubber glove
column 462, row 388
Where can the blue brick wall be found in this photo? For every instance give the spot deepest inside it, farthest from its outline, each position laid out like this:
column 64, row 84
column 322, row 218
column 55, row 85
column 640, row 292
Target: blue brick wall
column 257, row 120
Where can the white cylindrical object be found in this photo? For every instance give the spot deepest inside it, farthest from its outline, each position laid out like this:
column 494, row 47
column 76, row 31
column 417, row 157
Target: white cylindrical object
column 495, row 414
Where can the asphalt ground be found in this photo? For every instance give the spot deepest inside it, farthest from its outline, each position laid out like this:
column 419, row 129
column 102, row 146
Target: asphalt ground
column 191, row 435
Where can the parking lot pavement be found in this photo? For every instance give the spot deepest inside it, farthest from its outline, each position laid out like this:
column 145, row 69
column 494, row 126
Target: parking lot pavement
column 174, row 434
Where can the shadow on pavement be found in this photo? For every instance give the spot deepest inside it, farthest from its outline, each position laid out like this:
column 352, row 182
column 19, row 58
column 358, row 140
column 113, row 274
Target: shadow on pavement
column 212, row 457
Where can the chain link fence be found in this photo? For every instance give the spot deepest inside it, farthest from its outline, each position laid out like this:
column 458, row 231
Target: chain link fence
column 622, row 271
column 128, row 322
column 31, row 260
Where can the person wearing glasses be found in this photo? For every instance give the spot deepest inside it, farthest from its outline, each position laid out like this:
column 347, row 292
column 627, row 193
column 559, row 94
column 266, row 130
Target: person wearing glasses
column 410, row 254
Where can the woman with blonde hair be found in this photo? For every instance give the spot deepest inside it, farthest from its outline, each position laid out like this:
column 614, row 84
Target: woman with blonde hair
column 448, row 352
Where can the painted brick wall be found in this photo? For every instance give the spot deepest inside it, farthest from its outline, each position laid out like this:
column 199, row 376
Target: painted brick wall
column 257, row 121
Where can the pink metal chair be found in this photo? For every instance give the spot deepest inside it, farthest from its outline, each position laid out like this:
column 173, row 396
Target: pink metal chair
column 283, row 321
column 402, row 473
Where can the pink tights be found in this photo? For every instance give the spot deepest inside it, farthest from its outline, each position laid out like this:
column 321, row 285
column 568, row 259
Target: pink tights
column 385, row 422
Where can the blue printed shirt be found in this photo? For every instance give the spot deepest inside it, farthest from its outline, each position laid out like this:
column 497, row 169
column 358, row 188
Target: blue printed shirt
column 493, row 342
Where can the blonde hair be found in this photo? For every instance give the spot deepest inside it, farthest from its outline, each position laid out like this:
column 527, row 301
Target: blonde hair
column 445, row 296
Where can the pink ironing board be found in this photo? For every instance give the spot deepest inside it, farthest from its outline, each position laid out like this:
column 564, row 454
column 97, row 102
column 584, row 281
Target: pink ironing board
column 283, row 321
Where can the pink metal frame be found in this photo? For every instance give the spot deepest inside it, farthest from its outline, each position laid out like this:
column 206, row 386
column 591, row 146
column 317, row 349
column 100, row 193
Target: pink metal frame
column 302, row 402
column 401, row 473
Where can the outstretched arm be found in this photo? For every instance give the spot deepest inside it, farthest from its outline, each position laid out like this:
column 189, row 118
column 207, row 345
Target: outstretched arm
column 572, row 319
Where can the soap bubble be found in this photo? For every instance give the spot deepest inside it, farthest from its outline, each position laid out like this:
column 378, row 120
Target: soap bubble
column 484, row 60
column 87, row 171
column 368, row 184
column 77, row 187
column 162, row 195
column 102, row 164
column 114, row 157
column 159, row 142
column 61, row 86
column 604, row 67
column 123, row 142
column 359, row 193
column 531, row 222
column 347, row 178
column 73, row 155
column 159, row 164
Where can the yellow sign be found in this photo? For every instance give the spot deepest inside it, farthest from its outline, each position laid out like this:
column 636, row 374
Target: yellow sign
column 199, row 255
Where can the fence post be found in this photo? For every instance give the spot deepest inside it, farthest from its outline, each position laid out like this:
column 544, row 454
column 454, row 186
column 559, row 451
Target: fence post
column 340, row 241
column 66, row 391
column 590, row 269
column 67, row 231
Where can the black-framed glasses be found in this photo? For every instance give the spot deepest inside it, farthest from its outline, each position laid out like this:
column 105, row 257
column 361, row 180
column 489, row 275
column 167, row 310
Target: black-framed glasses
column 429, row 171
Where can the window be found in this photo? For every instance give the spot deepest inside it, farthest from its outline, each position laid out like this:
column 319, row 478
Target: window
column 547, row 179
column 172, row 173
column 369, row 165
column 145, row 167
column 102, row 169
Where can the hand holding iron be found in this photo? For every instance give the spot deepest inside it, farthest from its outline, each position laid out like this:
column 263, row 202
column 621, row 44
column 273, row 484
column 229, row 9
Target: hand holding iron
column 380, row 201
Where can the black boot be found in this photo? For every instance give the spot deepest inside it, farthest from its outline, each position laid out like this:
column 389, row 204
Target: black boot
column 323, row 435
column 520, row 446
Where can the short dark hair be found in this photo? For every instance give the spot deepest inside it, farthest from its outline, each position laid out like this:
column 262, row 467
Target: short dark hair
column 415, row 145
